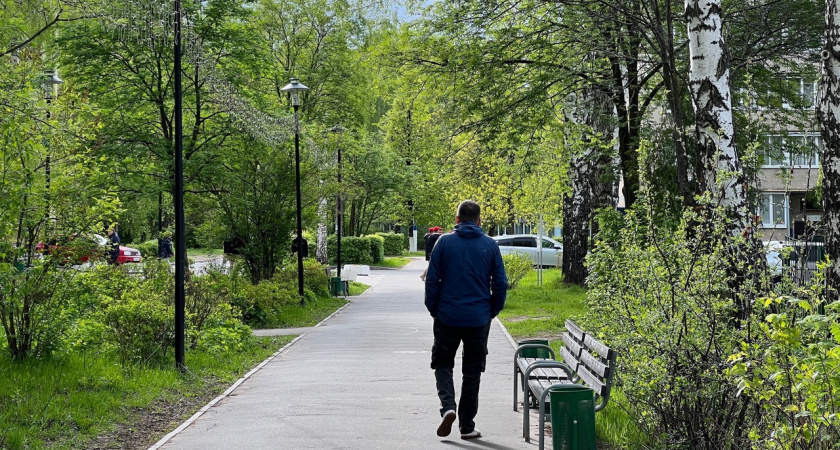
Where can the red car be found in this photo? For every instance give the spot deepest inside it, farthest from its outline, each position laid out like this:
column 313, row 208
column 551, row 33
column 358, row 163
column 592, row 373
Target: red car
column 127, row 254
column 71, row 251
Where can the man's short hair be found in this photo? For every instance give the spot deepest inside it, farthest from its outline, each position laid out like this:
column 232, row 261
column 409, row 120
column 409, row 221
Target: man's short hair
column 469, row 211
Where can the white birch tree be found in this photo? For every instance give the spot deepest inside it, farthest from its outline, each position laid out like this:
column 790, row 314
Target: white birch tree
column 828, row 114
column 721, row 173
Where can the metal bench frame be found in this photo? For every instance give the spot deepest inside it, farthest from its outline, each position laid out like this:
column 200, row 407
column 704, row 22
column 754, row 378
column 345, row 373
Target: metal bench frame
column 585, row 361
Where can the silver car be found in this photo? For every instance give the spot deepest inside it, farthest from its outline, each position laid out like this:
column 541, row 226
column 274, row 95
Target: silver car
column 551, row 254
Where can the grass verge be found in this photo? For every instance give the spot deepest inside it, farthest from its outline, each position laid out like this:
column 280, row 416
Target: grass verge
column 393, row 262
column 89, row 401
column 534, row 312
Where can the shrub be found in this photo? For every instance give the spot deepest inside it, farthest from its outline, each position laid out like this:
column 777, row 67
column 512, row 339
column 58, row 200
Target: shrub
column 392, row 244
column 224, row 332
column 354, row 250
column 315, row 276
column 517, row 265
column 205, row 295
column 377, row 247
column 791, row 370
column 140, row 326
column 663, row 297
column 148, row 249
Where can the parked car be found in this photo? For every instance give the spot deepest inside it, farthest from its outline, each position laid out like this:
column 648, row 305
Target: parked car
column 552, row 251
column 127, row 254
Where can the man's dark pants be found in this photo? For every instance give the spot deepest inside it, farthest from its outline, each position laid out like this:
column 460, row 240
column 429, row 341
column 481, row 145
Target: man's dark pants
column 447, row 340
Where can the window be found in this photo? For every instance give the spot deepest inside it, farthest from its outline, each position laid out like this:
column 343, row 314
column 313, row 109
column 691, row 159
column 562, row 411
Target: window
column 547, row 244
column 773, row 209
column 799, row 92
column 794, row 150
column 505, row 241
column 525, row 242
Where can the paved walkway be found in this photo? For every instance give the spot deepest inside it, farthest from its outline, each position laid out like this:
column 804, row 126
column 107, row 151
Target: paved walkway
column 361, row 380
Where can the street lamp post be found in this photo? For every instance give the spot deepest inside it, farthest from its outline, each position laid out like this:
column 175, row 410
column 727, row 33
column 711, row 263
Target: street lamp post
column 180, row 227
column 51, row 81
column 339, row 206
column 295, row 88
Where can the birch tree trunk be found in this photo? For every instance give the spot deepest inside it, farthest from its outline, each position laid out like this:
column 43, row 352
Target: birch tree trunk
column 591, row 182
column 721, row 173
column 828, row 114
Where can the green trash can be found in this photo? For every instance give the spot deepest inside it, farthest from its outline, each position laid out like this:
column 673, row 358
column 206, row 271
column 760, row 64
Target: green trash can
column 336, row 286
column 572, row 417
column 534, row 352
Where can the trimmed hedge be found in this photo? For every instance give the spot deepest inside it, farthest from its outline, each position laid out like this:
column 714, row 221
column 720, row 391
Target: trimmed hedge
column 377, row 247
column 354, row 250
column 148, row 249
column 393, row 243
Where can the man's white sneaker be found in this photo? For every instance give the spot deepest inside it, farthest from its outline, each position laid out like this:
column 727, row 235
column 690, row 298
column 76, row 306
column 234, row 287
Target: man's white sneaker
column 471, row 435
column 445, row 426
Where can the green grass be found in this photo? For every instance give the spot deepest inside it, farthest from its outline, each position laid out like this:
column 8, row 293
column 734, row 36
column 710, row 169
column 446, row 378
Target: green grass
column 83, row 401
column 308, row 315
column 533, row 312
column 393, row 262
column 357, row 288
column 417, row 253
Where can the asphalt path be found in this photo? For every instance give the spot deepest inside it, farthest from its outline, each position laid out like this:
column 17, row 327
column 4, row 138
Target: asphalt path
column 359, row 380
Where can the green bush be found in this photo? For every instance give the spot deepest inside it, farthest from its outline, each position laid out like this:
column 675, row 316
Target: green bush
column 377, row 247
column 354, row 250
column 393, row 243
column 315, row 276
column 148, row 249
column 224, row 332
column 260, row 304
column 140, row 326
column 664, row 297
column 791, row 371
column 205, row 296
column 517, row 266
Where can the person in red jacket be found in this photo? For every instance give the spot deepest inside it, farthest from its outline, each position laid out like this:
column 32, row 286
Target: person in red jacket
column 466, row 287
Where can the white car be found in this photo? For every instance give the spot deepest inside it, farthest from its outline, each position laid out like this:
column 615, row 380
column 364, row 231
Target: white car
column 552, row 251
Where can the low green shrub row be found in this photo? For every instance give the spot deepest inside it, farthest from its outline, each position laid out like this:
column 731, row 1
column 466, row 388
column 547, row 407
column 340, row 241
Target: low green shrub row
column 393, row 243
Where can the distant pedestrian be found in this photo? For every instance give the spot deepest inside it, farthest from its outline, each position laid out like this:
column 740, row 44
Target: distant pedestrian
column 304, row 245
column 466, row 288
column 114, row 252
column 429, row 243
column 165, row 246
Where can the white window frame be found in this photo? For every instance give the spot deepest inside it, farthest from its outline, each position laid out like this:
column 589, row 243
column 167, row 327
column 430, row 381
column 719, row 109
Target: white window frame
column 765, row 201
column 788, row 156
column 802, row 94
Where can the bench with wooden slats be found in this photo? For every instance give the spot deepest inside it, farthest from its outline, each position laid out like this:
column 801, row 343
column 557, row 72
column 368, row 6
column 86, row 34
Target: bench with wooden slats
column 584, row 360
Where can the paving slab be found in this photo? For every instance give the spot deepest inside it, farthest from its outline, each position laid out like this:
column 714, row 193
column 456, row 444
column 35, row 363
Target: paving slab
column 360, row 380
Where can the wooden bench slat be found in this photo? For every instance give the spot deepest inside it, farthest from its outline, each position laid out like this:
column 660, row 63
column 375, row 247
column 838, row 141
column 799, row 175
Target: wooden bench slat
column 569, row 359
column 570, row 343
column 594, row 364
column 576, row 331
column 591, row 380
column 602, row 350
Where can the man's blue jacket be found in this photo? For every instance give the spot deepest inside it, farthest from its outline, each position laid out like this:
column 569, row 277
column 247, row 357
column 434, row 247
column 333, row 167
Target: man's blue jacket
column 466, row 284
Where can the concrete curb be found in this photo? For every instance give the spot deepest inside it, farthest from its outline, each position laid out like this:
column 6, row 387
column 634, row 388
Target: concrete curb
column 235, row 385
column 505, row 331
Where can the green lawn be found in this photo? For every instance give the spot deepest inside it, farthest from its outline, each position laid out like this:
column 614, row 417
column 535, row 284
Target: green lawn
column 199, row 252
column 393, row 262
column 89, row 401
column 534, row 312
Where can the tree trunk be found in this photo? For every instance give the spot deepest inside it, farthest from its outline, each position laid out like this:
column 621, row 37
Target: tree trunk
column 321, row 248
column 828, row 114
column 591, row 182
column 721, row 174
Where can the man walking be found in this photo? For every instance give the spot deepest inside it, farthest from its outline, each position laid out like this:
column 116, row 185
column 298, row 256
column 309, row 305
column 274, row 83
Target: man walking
column 466, row 287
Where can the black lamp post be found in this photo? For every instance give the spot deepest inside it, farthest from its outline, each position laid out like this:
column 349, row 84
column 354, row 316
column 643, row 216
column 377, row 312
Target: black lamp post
column 180, row 228
column 51, row 81
column 339, row 205
column 294, row 88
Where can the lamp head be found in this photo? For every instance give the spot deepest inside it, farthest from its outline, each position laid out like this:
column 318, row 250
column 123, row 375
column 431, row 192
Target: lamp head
column 51, row 80
column 294, row 88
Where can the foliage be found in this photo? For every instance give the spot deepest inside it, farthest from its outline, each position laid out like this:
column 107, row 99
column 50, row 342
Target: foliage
column 791, row 370
column 354, row 250
column 661, row 298
column 377, row 247
column 393, row 244
column 141, row 326
column 149, row 249
column 517, row 265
